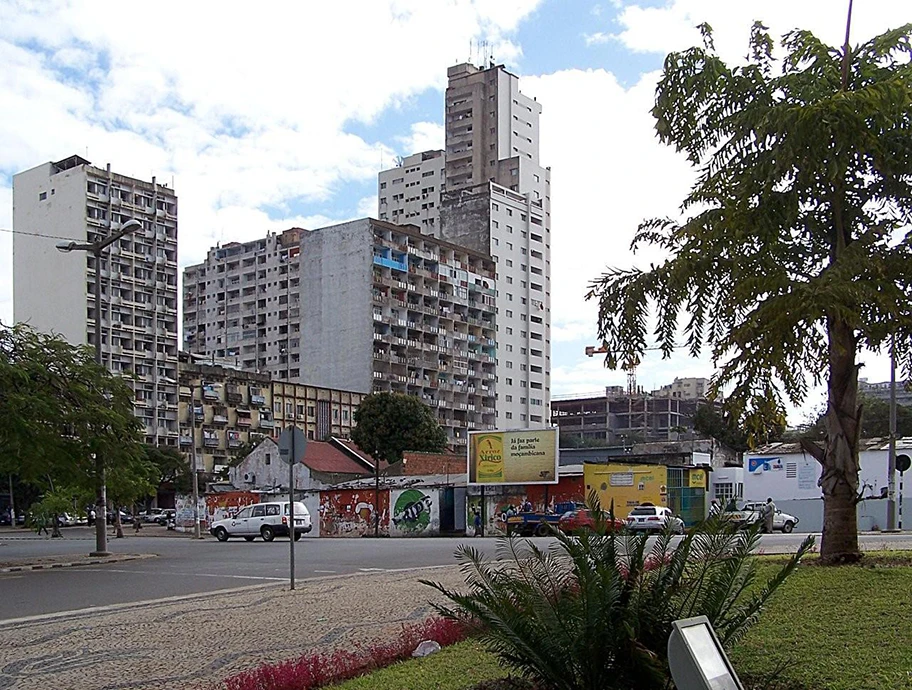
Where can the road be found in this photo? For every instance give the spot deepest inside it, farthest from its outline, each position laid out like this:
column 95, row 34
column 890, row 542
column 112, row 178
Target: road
column 183, row 566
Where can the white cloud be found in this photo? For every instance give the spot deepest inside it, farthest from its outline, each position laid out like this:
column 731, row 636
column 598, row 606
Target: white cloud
column 424, row 136
column 245, row 109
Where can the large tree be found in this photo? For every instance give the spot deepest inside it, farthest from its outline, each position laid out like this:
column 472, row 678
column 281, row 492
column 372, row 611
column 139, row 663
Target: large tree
column 58, row 410
column 387, row 424
column 793, row 249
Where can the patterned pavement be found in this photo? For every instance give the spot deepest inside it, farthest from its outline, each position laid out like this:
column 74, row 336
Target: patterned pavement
column 194, row 641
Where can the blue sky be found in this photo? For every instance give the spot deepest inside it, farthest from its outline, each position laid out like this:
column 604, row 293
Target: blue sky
column 267, row 117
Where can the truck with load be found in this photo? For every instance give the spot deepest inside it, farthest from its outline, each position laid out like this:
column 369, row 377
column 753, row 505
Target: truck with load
column 531, row 523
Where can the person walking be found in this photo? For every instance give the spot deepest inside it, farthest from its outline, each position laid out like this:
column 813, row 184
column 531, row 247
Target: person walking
column 767, row 513
column 478, row 524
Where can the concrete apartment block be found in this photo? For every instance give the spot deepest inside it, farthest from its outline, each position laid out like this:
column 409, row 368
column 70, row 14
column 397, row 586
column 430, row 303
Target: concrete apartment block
column 362, row 306
column 497, row 200
column 410, row 193
column 54, row 291
column 386, row 308
column 243, row 304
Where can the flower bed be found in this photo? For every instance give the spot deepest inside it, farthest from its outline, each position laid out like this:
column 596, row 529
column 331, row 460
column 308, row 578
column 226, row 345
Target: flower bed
column 320, row 669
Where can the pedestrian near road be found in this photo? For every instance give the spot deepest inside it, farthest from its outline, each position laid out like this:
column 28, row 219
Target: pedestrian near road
column 767, row 512
column 477, row 524
column 731, row 504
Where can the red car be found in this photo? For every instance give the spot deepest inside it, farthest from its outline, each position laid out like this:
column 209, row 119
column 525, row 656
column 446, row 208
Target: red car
column 578, row 520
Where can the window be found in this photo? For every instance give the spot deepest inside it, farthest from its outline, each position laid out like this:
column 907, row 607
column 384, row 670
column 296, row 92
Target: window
column 272, row 509
column 42, row 196
column 259, row 511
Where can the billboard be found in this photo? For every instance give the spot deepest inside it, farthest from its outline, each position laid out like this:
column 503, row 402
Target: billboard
column 513, row 457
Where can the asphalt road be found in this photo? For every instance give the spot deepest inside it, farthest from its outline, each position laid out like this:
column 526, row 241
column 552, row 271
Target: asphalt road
column 184, row 566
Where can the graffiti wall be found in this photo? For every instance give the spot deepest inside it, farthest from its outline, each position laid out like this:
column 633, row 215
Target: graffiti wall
column 184, row 516
column 350, row 513
column 224, row 505
column 416, row 513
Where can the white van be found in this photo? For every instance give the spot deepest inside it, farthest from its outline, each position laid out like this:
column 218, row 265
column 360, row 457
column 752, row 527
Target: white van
column 267, row 520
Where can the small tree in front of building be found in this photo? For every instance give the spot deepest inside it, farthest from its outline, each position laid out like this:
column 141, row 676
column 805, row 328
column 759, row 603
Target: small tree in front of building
column 387, row 425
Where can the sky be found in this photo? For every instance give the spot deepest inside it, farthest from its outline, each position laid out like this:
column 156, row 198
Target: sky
column 283, row 115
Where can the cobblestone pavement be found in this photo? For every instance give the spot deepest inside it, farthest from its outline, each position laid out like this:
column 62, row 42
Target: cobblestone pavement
column 194, row 641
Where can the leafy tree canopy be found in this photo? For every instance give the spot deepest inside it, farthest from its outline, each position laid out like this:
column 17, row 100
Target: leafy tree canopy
column 170, row 467
column 708, row 421
column 388, row 424
column 793, row 249
column 875, row 421
column 58, row 409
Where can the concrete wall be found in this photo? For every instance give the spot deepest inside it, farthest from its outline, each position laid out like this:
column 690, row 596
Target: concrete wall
column 264, row 469
column 49, row 286
column 871, row 514
column 336, row 291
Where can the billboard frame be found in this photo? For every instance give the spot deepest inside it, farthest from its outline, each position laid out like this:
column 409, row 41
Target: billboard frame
column 472, row 473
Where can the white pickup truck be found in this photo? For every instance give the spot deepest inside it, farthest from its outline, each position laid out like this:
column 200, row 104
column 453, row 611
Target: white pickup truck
column 750, row 514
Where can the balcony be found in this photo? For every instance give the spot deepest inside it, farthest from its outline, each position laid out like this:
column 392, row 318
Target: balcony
column 244, row 420
column 267, row 423
column 186, row 440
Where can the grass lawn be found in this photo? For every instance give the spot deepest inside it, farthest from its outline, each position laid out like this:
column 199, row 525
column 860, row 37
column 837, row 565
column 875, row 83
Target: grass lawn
column 846, row 628
column 456, row 667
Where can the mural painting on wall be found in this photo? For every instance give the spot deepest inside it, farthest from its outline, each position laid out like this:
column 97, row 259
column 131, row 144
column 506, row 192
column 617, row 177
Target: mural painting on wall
column 412, row 511
column 496, row 512
column 351, row 513
column 225, row 505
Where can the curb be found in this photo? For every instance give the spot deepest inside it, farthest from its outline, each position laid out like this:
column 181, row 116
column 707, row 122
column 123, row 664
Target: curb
column 74, row 564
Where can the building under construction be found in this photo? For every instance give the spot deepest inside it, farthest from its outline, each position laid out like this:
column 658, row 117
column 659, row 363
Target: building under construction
column 625, row 417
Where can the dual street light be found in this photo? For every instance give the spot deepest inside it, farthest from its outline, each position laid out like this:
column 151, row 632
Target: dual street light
column 96, row 249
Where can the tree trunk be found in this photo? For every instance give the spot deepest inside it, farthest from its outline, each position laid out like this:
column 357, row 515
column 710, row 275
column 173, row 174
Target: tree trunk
column 839, row 459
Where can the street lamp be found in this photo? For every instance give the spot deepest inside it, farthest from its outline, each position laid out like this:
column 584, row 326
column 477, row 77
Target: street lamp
column 101, row 497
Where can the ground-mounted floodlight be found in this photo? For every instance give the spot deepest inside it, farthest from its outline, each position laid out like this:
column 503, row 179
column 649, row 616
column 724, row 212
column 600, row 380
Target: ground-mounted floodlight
column 696, row 657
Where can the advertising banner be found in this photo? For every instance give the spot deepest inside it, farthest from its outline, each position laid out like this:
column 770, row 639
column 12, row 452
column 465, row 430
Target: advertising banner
column 513, row 457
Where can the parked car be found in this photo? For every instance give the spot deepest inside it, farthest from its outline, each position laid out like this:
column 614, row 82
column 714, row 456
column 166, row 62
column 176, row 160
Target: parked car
column 165, row 516
column 576, row 521
column 750, row 515
column 66, row 520
column 651, row 518
column 125, row 517
column 266, row 520
column 152, row 515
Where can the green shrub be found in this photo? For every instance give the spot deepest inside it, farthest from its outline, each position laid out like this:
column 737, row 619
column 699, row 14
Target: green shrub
column 595, row 613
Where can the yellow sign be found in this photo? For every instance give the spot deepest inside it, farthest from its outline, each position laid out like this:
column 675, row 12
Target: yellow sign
column 697, row 479
column 513, row 457
column 627, row 486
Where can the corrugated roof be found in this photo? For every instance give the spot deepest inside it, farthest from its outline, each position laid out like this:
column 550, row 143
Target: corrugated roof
column 879, row 443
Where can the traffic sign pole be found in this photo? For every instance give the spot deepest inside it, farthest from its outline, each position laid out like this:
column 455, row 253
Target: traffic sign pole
column 292, row 445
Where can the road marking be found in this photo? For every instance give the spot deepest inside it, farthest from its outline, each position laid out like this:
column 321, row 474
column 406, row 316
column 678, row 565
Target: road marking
column 92, row 610
column 329, row 572
column 195, row 574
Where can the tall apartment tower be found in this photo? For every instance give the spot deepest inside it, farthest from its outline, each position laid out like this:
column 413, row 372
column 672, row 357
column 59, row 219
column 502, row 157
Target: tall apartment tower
column 495, row 198
column 54, row 291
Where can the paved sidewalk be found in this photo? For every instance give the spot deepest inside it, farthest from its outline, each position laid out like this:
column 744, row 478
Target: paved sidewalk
column 194, row 641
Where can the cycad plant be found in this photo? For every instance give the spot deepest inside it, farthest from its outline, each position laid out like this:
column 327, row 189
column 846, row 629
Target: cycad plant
column 595, row 612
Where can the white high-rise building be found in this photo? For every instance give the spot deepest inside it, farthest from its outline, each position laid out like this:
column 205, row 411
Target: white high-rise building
column 54, row 292
column 495, row 198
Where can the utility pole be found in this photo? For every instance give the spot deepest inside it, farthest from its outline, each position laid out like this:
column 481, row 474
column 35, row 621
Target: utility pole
column 196, row 515
column 891, row 458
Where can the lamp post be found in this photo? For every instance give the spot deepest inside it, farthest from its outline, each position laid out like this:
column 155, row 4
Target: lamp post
column 101, row 497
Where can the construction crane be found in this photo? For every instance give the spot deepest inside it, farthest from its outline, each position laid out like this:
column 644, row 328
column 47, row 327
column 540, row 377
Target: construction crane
column 631, row 369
